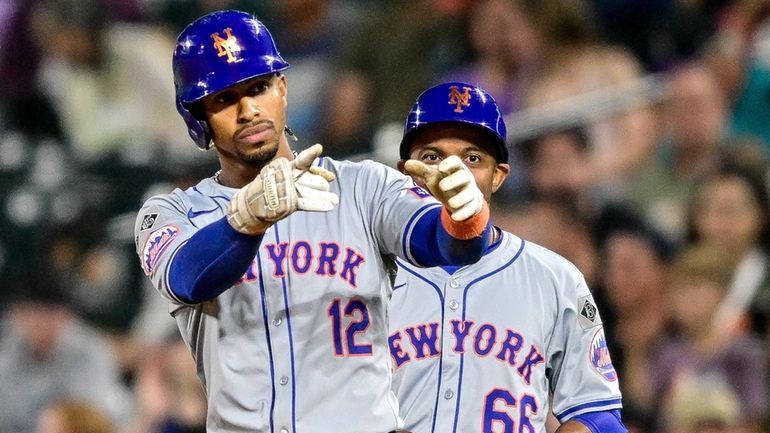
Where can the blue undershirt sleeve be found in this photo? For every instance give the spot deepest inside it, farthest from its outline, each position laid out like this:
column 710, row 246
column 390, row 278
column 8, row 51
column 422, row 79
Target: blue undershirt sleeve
column 431, row 245
column 602, row 422
column 211, row 261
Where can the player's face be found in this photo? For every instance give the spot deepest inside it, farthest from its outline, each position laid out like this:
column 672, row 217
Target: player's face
column 247, row 120
column 437, row 142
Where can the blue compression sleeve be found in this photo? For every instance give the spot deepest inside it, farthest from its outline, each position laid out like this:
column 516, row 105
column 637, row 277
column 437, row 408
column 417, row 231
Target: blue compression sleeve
column 602, row 422
column 213, row 260
column 431, row 245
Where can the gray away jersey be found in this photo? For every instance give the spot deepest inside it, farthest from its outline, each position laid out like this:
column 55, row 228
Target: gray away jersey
column 481, row 349
column 300, row 343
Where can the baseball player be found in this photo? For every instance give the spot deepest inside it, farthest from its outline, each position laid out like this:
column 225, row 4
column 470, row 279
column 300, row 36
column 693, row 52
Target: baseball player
column 278, row 267
column 479, row 348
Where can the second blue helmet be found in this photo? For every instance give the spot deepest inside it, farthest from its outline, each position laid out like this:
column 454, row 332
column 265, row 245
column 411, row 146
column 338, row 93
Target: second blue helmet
column 456, row 102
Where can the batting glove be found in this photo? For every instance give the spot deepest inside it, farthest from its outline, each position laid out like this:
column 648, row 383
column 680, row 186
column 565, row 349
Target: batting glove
column 452, row 183
column 281, row 188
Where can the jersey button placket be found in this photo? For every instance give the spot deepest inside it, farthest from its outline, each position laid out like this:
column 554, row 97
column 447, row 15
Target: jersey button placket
column 280, row 340
column 450, row 359
column 451, row 313
column 453, row 304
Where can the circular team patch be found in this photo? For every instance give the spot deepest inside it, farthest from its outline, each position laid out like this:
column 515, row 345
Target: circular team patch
column 599, row 356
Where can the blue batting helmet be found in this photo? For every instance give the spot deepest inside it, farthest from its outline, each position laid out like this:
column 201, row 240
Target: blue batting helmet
column 456, row 102
column 215, row 52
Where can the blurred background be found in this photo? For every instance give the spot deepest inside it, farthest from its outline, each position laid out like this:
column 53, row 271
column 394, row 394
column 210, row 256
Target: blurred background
column 639, row 132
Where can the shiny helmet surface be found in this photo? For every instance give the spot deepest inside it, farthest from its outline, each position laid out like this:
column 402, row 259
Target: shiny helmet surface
column 456, row 102
column 217, row 51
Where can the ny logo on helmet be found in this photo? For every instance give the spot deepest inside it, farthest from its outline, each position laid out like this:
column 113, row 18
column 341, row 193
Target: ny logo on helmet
column 459, row 99
column 226, row 47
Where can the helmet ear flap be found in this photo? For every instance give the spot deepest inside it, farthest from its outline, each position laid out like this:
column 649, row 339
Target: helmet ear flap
column 198, row 129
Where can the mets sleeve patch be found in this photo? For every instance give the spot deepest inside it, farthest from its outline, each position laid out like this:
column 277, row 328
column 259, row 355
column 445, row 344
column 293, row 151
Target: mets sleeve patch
column 599, row 356
column 156, row 245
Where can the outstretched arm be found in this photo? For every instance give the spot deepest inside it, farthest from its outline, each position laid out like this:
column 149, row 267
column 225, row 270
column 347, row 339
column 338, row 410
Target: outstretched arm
column 458, row 233
column 434, row 244
column 217, row 256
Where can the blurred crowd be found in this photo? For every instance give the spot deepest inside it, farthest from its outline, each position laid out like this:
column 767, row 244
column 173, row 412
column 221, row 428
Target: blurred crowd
column 639, row 133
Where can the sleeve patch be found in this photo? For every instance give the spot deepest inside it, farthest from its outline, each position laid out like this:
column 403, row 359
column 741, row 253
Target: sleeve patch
column 419, row 192
column 588, row 314
column 155, row 245
column 148, row 221
column 599, row 356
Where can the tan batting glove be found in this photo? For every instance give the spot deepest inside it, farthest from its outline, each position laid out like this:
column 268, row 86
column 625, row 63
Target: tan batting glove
column 281, row 188
column 452, row 183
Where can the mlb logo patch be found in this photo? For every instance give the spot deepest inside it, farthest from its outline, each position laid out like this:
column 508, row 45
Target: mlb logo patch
column 419, row 192
column 148, row 221
column 588, row 313
column 599, row 356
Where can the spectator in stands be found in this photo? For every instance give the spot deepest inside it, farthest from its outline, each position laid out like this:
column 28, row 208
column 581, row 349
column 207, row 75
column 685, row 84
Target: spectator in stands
column 105, row 82
column 693, row 124
column 704, row 404
column 556, row 223
column 731, row 211
column 47, row 353
column 311, row 35
column 557, row 189
column 699, row 280
column 169, row 397
column 23, row 108
column 737, row 54
column 556, row 164
column 578, row 62
column 399, row 49
column 635, row 264
column 506, row 50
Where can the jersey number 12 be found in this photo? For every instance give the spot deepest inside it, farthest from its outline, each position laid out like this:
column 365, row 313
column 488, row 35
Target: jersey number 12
column 345, row 345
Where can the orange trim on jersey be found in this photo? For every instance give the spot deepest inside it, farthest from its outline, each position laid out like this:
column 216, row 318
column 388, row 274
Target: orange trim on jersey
column 468, row 229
